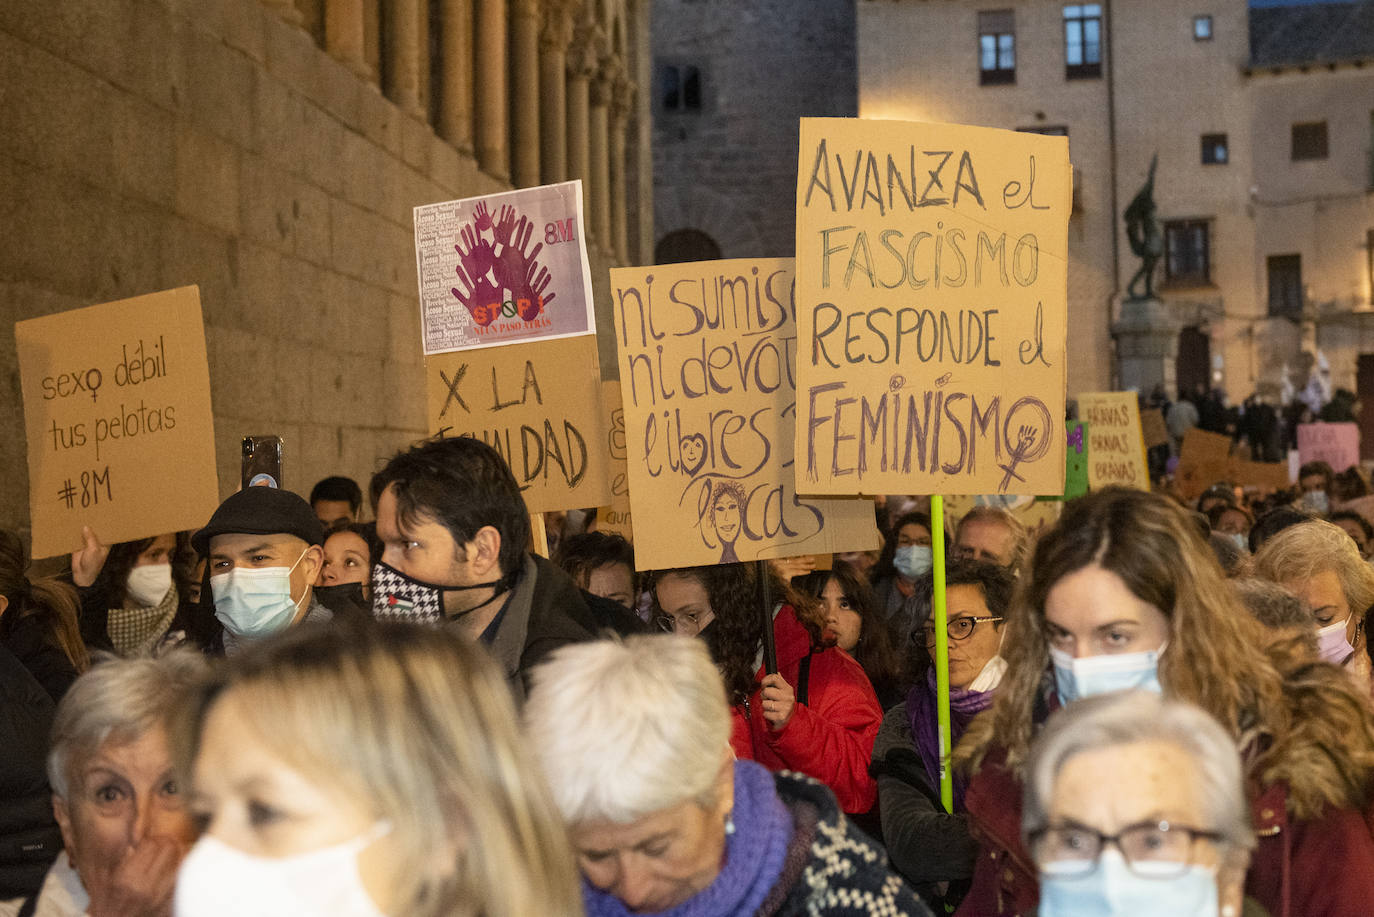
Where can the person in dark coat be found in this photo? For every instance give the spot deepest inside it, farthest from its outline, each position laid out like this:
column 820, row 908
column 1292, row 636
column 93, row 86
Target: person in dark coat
column 632, row 738
column 29, row 837
column 38, row 621
column 454, row 531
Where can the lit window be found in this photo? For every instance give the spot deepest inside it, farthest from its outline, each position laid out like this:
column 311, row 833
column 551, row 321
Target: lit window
column 1214, row 150
column 1202, row 28
column 1082, row 40
column 996, row 47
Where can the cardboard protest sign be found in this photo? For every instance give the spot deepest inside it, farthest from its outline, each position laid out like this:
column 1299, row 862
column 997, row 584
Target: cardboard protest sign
column 706, row 362
column 1117, row 447
column 117, row 413
column 1337, row 444
column 503, row 268
column 1036, row 515
column 616, row 516
column 1205, row 458
column 539, row 405
column 1153, row 429
column 931, row 303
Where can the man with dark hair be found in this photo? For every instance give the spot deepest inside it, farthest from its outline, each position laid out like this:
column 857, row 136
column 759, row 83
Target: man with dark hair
column 454, row 531
column 602, row 564
column 336, row 501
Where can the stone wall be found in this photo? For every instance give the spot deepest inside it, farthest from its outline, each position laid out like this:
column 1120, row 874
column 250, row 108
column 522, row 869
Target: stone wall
column 730, row 169
column 149, row 144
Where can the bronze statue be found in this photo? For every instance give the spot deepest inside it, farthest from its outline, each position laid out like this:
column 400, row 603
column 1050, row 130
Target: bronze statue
column 1142, row 229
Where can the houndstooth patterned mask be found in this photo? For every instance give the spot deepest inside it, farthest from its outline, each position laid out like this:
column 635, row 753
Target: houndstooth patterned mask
column 397, row 597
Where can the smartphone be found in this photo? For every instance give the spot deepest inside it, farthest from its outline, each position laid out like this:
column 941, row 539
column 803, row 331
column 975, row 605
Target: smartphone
column 262, row 461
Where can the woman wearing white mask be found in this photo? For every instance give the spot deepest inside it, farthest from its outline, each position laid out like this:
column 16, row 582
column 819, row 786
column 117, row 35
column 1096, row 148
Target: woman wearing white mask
column 360, row 771
column 131, row 592
column 930, row 847
column 906, row 558
column 1169, row 834
column 1319, row 563
column 1124, row 593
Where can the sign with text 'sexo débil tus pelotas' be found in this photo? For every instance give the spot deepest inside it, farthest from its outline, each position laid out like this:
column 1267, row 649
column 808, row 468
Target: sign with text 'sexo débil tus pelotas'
column 931, row 308
column 117, row 413
column 706, row 372
column 503, row 268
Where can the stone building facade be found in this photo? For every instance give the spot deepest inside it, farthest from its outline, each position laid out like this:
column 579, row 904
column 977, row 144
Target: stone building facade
column 1261, row 120
column 731, row 79
column 271, row 153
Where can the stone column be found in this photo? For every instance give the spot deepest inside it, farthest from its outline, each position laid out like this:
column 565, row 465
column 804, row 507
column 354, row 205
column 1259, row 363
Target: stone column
column 493, row 123
column 554, row 38
column 599, row 131
column 1146, row 345
column 525, row 77
column 581, row 65
column 343, row 34
column 403, row 53
column 285, row 10
column 455, row 91
column 622, row 102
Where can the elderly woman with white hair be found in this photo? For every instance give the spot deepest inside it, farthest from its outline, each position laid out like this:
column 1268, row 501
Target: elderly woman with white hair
column 115, row 793
column 634, row 738
column 1134, row 805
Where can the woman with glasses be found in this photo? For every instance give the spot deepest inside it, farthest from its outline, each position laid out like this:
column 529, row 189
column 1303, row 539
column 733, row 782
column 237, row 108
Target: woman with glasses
column 930, row 847
column 1124, row 593
column 817, row 714
column 1169, row 834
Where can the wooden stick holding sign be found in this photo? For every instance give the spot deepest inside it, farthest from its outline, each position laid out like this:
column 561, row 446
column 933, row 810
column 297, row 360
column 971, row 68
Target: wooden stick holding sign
column 770, row 643
column 940, row 613
column 539, row 535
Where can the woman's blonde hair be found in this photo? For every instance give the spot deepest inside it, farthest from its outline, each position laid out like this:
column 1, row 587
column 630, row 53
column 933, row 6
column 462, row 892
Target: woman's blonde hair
column 1293, row 720
column 1302, row 551
column 418, row 725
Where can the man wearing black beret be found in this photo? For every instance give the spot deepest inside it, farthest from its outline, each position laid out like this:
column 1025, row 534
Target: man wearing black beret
column 264, row 550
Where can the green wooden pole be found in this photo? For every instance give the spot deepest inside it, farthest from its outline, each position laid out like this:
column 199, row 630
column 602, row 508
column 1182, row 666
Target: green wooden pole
column 941, row 622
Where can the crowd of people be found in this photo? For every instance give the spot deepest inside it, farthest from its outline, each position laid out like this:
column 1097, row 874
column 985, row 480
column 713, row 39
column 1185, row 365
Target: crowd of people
column 392, row 703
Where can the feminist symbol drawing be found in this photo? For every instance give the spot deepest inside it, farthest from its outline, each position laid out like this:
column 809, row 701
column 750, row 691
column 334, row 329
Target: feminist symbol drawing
column 498, row 274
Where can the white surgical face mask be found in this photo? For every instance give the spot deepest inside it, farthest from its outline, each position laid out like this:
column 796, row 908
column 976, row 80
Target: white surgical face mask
column 1090, row 675
column 147, row 585
column 217, row 880
column 913, row 561
column 255, row 601
column 1112, row 890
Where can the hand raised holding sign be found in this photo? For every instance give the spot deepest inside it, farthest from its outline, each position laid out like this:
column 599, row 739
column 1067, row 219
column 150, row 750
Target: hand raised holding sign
column 90, row 559
column 778, row 700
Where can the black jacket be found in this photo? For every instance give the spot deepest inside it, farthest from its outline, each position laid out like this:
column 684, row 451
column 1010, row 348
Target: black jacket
column 29, row 839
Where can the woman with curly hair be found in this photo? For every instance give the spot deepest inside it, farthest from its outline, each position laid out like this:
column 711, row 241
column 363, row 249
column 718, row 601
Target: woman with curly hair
column 1123, row 593
column 817, row 714
column 853, row 621
column 1320, row 564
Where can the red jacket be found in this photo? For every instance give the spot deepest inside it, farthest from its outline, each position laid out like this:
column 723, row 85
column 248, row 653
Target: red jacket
column 1318, row 868
column 830, row 737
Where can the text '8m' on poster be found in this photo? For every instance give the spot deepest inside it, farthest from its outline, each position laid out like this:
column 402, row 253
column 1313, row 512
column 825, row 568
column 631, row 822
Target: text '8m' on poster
column 931, row 308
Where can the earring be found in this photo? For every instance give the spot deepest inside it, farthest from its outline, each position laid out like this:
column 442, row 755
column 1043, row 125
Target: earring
column 729, row 823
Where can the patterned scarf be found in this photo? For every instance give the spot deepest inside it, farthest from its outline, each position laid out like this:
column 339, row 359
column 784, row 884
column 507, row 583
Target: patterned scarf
column 964, row 705
column 133, row 630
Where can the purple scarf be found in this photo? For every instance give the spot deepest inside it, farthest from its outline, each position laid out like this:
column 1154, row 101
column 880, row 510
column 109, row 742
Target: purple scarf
column 920, row 709
column 753, row 855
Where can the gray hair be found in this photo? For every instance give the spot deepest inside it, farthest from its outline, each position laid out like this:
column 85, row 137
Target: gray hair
column 118, row 700
column 1123, row 718
column 623, row 729
column 984, row 513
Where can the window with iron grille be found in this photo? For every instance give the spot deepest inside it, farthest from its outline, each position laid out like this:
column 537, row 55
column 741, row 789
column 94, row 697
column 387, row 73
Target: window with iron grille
column 1187, row 257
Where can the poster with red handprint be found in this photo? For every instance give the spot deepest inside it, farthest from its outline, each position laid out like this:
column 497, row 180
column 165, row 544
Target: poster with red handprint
column 503, row 268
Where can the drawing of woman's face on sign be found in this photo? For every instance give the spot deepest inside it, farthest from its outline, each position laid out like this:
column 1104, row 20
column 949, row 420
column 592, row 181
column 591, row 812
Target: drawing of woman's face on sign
column 727, row 506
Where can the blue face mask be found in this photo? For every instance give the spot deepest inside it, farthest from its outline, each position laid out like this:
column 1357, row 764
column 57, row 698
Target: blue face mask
column 1240, row 541
column 1112, row 890
column 1075, row 678
column 255, row 601
column 913, row 561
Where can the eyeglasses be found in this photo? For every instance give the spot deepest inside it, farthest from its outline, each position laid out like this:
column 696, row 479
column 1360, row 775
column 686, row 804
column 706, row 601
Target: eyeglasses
column 958, row 628
column 688, row 622
column 1152, row 850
